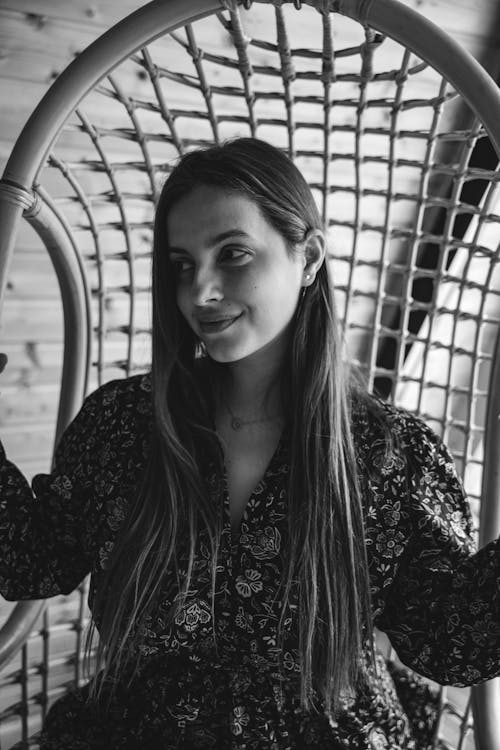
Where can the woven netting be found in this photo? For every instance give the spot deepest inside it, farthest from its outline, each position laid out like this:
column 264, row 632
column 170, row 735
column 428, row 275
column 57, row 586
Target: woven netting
column 386, row 145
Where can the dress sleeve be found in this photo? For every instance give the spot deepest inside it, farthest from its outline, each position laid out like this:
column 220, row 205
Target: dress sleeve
column 442, row 611
column 42, row 552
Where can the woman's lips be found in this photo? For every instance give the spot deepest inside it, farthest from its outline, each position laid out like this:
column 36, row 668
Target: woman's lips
column 217, row 325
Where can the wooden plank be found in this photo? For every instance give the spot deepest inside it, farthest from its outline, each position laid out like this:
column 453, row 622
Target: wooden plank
column 27, row 410
column 32, row 277
column 28, row 242
column 49, row 355
column 29, row 407
column 22, row 101
column 31, row 443
column 32, row 366
column 97, row 14
column 38, row 52
column 31, row 320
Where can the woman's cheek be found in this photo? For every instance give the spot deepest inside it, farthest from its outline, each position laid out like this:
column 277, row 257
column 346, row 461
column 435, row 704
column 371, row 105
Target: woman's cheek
column 182, row 304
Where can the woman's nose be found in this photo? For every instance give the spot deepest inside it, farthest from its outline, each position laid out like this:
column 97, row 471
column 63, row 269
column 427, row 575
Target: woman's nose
column 206, row 287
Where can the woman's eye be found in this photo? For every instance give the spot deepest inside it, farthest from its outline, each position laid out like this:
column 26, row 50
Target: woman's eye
column 182, row 265
column 233, row 253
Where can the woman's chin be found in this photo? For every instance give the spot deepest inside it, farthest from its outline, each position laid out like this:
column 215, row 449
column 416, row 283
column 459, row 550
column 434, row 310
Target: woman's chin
column 224, row 355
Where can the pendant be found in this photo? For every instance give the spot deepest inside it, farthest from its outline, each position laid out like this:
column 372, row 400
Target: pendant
column 235, row 423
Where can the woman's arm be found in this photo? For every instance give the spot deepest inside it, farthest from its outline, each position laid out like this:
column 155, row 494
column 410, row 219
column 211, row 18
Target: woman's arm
column 42, row 527
column 442, row 611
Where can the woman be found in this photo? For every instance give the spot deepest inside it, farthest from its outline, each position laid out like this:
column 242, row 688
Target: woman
column 247, row 511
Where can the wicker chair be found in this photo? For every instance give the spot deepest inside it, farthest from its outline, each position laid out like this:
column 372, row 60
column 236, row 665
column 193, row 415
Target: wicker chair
column 382, row 115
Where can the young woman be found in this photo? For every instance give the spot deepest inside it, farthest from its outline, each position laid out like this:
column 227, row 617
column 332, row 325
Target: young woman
column 247, row 511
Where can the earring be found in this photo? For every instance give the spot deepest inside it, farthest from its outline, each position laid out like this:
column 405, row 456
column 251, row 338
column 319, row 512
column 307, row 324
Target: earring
column 304, row 288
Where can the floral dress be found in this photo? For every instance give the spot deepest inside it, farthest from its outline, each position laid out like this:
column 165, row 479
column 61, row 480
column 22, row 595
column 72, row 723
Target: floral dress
column 436, row 598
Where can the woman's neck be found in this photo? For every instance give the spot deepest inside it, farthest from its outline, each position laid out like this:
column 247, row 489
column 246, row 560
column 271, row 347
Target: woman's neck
column 251, row 387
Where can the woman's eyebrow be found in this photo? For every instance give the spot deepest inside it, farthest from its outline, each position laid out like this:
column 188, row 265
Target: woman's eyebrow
column 228, row 234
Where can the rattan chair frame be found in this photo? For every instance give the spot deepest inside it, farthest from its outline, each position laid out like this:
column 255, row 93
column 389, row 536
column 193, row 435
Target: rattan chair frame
column 21, row 196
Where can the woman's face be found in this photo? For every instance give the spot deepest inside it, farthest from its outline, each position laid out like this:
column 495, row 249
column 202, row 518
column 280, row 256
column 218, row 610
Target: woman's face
column 237, row 284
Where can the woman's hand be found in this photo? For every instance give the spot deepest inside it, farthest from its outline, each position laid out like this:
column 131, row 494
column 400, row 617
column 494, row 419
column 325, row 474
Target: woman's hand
column 3, row 361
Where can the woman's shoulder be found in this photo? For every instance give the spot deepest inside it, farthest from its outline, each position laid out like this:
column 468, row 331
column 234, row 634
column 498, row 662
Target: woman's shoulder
column 120, row 407
column 385, row 429
column 132, row 386
column 119, row 397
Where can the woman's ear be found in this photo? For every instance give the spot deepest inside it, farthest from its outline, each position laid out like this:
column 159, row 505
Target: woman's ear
column 314, row 255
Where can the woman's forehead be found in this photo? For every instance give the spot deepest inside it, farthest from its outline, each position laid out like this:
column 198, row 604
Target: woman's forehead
column 207, row 213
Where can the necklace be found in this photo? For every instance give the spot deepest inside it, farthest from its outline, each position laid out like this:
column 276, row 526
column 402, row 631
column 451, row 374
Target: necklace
column 237, row 423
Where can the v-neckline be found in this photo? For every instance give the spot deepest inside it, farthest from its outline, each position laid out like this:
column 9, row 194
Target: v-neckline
column 235, row 535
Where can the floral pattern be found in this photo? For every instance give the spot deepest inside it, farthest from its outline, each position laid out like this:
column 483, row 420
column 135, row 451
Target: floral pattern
column 217, row 679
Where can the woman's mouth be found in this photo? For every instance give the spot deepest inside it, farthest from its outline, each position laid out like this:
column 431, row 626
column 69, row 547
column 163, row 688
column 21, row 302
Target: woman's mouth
column 215, row 326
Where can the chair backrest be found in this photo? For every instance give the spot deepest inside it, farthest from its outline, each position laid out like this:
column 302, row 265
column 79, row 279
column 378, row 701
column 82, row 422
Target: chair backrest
column 382, row 112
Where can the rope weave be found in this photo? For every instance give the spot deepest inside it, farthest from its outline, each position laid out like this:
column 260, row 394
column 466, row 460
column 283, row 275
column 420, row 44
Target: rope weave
column 328, row 57
column 17, row 196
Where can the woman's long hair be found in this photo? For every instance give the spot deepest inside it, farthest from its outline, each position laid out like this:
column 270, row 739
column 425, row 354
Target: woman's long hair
column 325, row 555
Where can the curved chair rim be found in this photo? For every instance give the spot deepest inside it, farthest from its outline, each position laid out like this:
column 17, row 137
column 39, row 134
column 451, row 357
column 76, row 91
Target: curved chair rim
column 390, row 17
